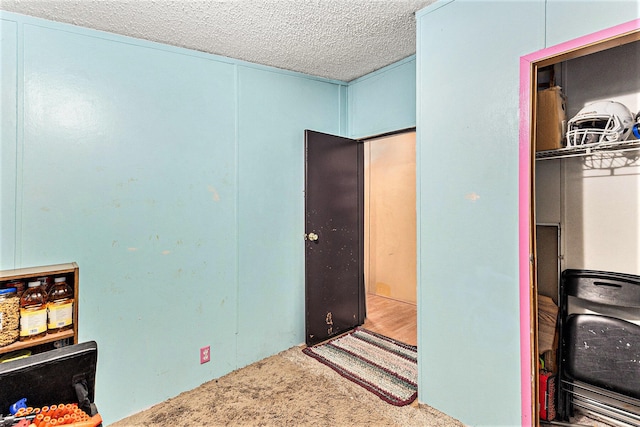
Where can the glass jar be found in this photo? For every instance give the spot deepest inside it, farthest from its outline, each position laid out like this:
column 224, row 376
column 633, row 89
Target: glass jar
column 33, row 312
column 9, row 316
column 60, row 306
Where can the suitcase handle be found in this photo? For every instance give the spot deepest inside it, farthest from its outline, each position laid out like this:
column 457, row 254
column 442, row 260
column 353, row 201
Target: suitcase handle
column 609, row 285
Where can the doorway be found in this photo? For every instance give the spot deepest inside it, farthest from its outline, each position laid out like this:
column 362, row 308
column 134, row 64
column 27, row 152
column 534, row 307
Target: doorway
column 335, row 296
column 529, row 241
column 390, row 235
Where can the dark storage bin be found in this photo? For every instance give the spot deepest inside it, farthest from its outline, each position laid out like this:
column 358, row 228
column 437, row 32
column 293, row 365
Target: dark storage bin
column 61, row 376
column 603, row 351
column 599, row 357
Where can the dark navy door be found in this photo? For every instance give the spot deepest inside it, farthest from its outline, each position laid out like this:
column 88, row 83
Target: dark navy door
column 334, row 235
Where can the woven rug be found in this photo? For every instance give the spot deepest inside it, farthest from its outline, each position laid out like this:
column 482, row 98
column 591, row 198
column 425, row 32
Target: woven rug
column 383, row 366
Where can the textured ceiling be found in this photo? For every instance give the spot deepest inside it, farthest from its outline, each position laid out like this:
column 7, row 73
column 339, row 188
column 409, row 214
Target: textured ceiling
column 336, row 39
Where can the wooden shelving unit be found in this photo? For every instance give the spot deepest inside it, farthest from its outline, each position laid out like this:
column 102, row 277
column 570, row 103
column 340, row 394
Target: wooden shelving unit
column 71, row 272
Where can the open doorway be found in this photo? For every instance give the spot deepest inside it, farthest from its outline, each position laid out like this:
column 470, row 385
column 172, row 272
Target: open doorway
column 390, row 235
column 577, row 186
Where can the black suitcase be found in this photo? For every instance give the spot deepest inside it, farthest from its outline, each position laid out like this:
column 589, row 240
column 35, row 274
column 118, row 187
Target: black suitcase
column 62, row 376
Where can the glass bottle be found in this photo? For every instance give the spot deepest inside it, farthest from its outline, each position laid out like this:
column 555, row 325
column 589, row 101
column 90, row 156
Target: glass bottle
column 33, row 312
column 60, row 306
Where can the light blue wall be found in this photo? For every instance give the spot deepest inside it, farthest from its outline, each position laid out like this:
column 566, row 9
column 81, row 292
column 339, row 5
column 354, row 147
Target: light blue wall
column 274, row 110
column 467, row 119
column 8, row 133
column 383, row 101
column 569, row 19
column 174, row 179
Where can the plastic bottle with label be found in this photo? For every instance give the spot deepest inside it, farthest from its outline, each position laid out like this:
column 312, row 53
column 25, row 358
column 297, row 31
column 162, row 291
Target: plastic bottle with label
column 33, row 312
column 45, row 284
column 60, row 306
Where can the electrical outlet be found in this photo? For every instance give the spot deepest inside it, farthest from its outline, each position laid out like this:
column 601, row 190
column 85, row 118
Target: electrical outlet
column 205, row 354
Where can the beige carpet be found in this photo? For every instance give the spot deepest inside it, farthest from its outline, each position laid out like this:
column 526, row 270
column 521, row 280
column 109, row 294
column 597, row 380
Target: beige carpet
column 289, row 388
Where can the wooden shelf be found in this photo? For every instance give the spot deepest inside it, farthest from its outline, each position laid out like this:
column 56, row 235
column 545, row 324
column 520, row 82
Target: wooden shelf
column 71, row 271
column 21, row 345
column 47, row 270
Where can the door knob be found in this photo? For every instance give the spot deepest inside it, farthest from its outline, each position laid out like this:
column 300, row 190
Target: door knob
column 312, row 236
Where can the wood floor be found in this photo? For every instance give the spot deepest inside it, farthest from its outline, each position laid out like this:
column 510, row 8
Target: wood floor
column 391, row 318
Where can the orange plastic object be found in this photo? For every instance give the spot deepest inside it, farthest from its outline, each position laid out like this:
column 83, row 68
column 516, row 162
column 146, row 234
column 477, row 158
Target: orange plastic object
column 63, row 414
column 94, row 421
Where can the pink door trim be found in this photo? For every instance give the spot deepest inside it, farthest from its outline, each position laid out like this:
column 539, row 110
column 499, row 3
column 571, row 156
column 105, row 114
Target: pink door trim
column 527, row 376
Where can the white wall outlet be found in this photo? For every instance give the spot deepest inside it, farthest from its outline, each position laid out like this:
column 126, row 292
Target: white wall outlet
column 205, row 354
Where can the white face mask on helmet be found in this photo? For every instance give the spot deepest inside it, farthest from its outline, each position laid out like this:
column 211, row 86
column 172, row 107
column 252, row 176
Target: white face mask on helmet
column 602, row 121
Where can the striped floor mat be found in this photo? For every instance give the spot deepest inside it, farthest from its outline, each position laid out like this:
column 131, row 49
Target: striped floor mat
column 383, row 366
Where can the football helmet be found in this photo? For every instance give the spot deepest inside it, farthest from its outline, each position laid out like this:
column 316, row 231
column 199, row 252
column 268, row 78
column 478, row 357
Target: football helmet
column 598, row 122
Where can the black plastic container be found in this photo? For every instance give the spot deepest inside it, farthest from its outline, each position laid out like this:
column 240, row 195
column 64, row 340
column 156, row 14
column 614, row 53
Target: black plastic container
column 599, row 357
column 64, row 375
